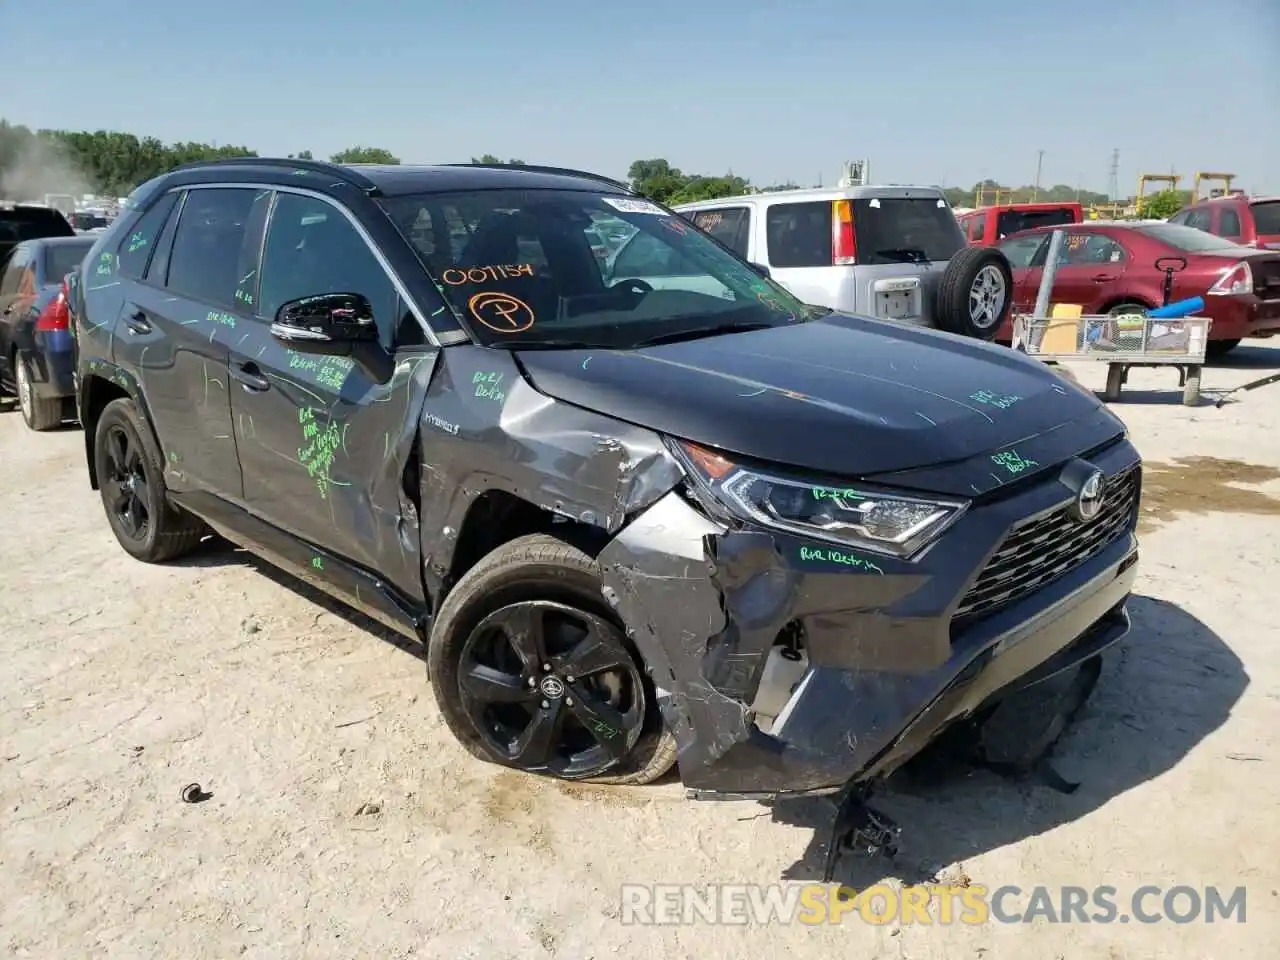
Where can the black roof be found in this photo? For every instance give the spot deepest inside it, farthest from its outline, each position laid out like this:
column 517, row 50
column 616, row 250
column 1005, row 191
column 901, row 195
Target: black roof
column 392, row 180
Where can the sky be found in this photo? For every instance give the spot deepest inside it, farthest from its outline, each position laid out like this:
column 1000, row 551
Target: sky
column 927, row 91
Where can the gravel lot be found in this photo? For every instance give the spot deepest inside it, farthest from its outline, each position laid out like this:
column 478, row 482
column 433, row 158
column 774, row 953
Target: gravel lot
column 344, row 821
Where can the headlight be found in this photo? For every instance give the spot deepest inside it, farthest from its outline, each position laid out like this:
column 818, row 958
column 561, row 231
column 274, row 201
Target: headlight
column 860, row 516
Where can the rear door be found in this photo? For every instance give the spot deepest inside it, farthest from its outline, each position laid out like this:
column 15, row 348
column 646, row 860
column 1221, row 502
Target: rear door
column 177, row 325
column 1266, row 223
column 12, row 282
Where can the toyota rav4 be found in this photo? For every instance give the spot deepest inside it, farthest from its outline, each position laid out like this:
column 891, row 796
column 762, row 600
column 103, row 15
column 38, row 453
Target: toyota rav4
column 783, row 546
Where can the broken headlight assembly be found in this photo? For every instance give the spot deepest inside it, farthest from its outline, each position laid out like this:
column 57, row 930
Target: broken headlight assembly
column 862, row 516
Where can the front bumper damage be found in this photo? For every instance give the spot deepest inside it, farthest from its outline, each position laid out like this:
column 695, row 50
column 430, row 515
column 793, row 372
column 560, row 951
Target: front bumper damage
column 888, row 663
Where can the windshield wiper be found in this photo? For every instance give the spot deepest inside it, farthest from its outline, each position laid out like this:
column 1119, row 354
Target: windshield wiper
column 711, row 331
column 904, row 254
column 557, row 345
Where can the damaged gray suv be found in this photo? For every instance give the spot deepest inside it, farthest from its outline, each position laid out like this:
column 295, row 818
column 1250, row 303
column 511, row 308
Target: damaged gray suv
column 634, row 525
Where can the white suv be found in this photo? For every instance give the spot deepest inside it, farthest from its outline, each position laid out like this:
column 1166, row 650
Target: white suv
column 891, row 252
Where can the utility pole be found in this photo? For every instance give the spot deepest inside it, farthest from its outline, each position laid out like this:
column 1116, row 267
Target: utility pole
column 1039, row 163
column 1113, row 185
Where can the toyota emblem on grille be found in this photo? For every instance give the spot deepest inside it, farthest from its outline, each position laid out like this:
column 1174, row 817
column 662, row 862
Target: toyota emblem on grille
column 1089, row 499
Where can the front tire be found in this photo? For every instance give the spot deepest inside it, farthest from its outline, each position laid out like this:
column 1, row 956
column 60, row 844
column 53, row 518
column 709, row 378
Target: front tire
column 1216, row 349
column 531, row 670
column 134, row 495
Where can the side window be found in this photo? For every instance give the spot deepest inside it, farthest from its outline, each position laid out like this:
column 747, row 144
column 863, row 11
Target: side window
column 1199, row 219
column 728, row 225
column 136, row 248
column 1228, row 223
column 1180, row 217
column 209, row 246
column 1021, row 251
column 978, row 228
column 13, row 272
column 799, row 234
column 311, row 249
column 1090, row 249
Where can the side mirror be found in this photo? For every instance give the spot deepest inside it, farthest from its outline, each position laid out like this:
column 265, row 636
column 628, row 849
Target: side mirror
column 761, row 269
column 327, row 318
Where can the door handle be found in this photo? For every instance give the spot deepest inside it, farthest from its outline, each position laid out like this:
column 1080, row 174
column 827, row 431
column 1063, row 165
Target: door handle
column 1103, row 277
column 249, row 375
column 137, row 323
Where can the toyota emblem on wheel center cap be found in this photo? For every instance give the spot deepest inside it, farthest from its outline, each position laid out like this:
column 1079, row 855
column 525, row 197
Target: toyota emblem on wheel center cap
column 552, row 688
column 1089, row 499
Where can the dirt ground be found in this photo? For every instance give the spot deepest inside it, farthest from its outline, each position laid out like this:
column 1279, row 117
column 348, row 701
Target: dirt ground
column 344, row 822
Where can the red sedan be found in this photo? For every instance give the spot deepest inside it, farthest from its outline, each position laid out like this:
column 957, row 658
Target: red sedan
column 1110, row 267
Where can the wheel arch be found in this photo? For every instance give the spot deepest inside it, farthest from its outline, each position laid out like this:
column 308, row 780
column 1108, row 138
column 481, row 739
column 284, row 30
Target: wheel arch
column 495, row 517
column 1136, row 299
column 101, row 386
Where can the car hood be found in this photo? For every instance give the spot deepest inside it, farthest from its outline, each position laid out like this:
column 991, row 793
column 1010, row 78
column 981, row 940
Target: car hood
column 842, row 395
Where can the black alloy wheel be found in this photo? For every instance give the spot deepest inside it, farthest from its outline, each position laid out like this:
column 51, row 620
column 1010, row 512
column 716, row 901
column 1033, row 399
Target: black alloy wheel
column 125, row 486
column 551, row 688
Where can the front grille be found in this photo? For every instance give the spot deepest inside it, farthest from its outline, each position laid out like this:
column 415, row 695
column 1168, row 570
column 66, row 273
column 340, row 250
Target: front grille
column 1039, row 551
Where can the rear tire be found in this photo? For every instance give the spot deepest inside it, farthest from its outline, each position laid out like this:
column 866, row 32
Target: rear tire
column 37, row 412
column 975, row 294
column 531, row 570
column 134, row 495
column 1216, row 349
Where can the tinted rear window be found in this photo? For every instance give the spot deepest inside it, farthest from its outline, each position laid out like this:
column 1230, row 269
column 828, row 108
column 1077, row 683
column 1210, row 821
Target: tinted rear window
column 1186, row 239
column 1015, row 221
column 905, row 230
column 61, row 258
column 799, row 234
column 1266, row 217
column 32, row 223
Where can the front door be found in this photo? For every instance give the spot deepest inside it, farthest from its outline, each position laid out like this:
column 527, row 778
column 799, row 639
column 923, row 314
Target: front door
column 1090, row 268
column 324, row 437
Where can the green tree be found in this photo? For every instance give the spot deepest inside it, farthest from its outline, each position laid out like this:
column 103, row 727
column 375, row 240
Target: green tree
column 364, row 155
column 490, row 160
column 661, row 182
column 1163, row 205
column 304, row 155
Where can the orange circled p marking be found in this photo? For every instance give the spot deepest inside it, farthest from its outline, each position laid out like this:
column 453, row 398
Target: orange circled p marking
column 501, row 312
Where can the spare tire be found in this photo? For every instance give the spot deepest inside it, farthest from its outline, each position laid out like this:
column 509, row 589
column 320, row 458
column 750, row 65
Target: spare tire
column 975, row 294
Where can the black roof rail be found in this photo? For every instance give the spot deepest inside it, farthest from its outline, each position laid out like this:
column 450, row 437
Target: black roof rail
column 343, row 173
column 559, row 171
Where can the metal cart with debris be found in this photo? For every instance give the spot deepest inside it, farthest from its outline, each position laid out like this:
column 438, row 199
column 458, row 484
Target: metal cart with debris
column 1165, row 337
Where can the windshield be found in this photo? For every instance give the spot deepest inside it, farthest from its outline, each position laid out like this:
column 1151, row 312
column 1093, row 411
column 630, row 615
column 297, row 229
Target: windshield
column 1266, row 217
column 1186, row 239
column 61, row 258
column 1015, row 221
column 528, row 268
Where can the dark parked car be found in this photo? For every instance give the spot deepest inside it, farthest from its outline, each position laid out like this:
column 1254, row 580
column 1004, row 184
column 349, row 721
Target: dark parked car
column 29, row 221
column 607, row 511
column 37, row 360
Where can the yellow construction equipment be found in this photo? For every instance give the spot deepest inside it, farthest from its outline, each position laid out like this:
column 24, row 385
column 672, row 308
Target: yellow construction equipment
column 1172, row 179
column 1226, row 179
